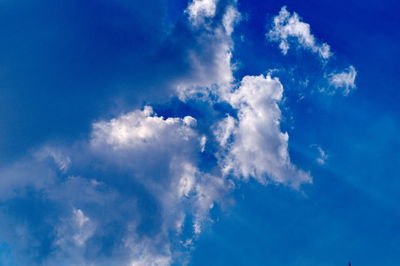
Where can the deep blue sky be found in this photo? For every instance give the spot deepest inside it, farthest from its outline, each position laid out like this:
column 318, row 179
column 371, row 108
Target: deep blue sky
column 67, row 64
column 351, row 211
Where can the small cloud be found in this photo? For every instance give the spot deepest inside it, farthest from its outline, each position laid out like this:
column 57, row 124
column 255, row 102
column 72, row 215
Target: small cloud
column 231, row 17
column 75, row 231
column 344, row 80
column 322, row 155
column 289, row 29
column 83, row 227
column 203, row 141
column 61, row 160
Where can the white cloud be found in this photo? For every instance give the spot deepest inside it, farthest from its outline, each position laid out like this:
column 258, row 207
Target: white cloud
column 230, row 18
column 62, row 161
column 212, row 71
column 288, row 29
column 259, row 149
column 322, row 155
column 344, row 80
column 159, row 155
column 199, row 10
column 72, row 235
column 224, row 130
column 142, row 159
column 83, row 226
column 162, row 155
column 203, row 142
column 142, row 128
column 153, row 260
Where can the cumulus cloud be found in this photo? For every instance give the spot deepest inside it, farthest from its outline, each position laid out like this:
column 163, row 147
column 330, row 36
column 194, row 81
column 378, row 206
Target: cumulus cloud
column 161, row 153
column 136, row 191
column 140, row 159
column 136, row 182
column 250, row 164
column 140, row 127
column 344, row 80
column 199, row 10
column 288, row 29
column 258, row 148
column 140, row 185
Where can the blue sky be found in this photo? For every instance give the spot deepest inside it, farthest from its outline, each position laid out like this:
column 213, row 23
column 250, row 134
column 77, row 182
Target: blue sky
column 201, row 132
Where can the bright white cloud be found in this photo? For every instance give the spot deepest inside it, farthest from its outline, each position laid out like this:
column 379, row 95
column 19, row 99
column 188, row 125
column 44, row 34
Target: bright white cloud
column 259, row 149
column 142, row 128
column 288, row 29
column 162, row 155
column 344, row 80
column 199, row 10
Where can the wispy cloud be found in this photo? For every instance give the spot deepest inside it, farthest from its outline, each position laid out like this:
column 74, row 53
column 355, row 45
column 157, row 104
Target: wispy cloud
column 322, row 156
column 344, row 81
column 288, row 29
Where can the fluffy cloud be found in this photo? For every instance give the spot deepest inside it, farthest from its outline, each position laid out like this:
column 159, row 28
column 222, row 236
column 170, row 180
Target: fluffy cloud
column 136, row 191
column 258, row 148
column 199, row 10
column 288, row 29
column 245, row 157
column 142, row 128
column 148, row 190
column 135, row 183
column 344, row 80
column 162, row 155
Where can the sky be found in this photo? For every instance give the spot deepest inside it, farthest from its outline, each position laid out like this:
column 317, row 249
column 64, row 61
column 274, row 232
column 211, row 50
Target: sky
column 200, row 132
